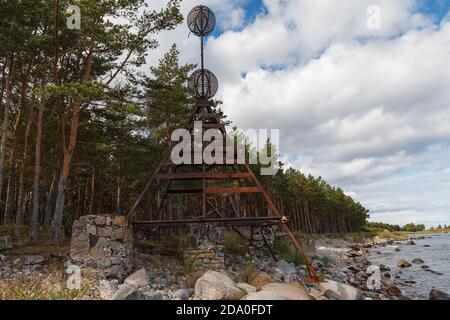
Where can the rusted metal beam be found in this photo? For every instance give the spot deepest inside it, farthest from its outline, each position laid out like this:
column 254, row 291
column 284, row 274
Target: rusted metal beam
column 242, row 221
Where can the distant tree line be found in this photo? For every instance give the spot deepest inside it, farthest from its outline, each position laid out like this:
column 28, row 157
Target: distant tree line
column 410, row 227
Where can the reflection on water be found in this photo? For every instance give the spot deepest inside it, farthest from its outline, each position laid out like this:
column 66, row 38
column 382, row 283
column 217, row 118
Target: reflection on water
column 436, row 256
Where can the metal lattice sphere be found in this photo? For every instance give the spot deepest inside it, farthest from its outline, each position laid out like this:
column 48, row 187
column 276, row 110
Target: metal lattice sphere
column 205, row 84
column 201, row 21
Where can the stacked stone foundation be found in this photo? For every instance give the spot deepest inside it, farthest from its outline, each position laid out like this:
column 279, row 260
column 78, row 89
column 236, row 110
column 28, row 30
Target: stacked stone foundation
column 206, row 247
column 102, row 245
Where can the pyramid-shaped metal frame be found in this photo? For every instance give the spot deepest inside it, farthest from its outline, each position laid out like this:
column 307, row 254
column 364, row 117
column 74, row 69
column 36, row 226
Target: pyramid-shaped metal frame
column 167, row 171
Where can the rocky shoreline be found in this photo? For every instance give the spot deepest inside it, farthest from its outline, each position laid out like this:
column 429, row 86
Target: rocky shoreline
column 343, row 265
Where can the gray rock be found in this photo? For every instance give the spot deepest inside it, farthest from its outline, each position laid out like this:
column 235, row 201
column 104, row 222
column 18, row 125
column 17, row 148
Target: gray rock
column 263, row 295
column 361, row 260
column 410, row 243
column 126, row 292
column 183, row 294
column 117, row 271
column 138, row 279
column 104, row 263
column 286, row 267
column 246, row 288
column 287, row 291
column 394, row 291
column 402, row 263
column 107, row 289
column 438, row 295
column 340, row 291
column 418, row 261
column 331, row 295
column 317, row 264
column 34, row 259
column 291, row 278
column 214, row 285
column 277, row 274
column 149, row 295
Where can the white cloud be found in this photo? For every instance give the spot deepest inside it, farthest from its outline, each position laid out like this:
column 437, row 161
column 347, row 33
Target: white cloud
column 368, row 110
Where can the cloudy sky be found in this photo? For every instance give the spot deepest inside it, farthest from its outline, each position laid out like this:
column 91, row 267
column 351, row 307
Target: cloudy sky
column 361, row 101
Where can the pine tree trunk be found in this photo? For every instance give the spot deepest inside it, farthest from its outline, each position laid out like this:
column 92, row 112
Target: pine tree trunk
column 10, row 193
column 37, row 170
column 68, row 153
column 5, row 125
column 92, row 202
column 21, row 198
column 50, row 202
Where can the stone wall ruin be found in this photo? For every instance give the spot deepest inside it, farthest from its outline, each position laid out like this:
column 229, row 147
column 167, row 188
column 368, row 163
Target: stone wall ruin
column 102, row 244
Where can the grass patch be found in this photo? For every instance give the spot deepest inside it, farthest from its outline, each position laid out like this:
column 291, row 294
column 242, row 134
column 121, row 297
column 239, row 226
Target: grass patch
column 41, row 288
column 287, row 252
column 327, row 261
column 234, row 244
column 245, row 274
column 394, row 235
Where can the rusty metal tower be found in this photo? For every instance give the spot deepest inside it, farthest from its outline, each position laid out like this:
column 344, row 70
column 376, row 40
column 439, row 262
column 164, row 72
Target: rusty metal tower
column 204, row 179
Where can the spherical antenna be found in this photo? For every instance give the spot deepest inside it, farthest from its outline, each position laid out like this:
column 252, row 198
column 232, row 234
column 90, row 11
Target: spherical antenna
column 205, row 84
column 201, row 21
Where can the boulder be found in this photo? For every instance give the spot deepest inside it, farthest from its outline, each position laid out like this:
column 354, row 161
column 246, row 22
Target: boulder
column 107, row 289
column 246, row 288
column 277, row 274
column 438, row 295
column 140, row 278
column 287, row 291
column 418, row 261
column 149, row 296
column 183, row 294
column 361, row 260
column 381, row 241
column 286, row 267
column 340, row 291
column 394, row 291
column 263, row 295
column 259, row 279
column 214, row 285
column 126, row 292
column 410, row 243
column 402, row 263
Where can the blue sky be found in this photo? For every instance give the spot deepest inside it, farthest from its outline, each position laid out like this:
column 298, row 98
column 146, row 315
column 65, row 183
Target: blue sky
column 371, row 117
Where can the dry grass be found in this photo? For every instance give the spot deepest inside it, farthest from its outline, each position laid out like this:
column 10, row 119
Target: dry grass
column 394, row 235
column 235, row 244
column 41, row 287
